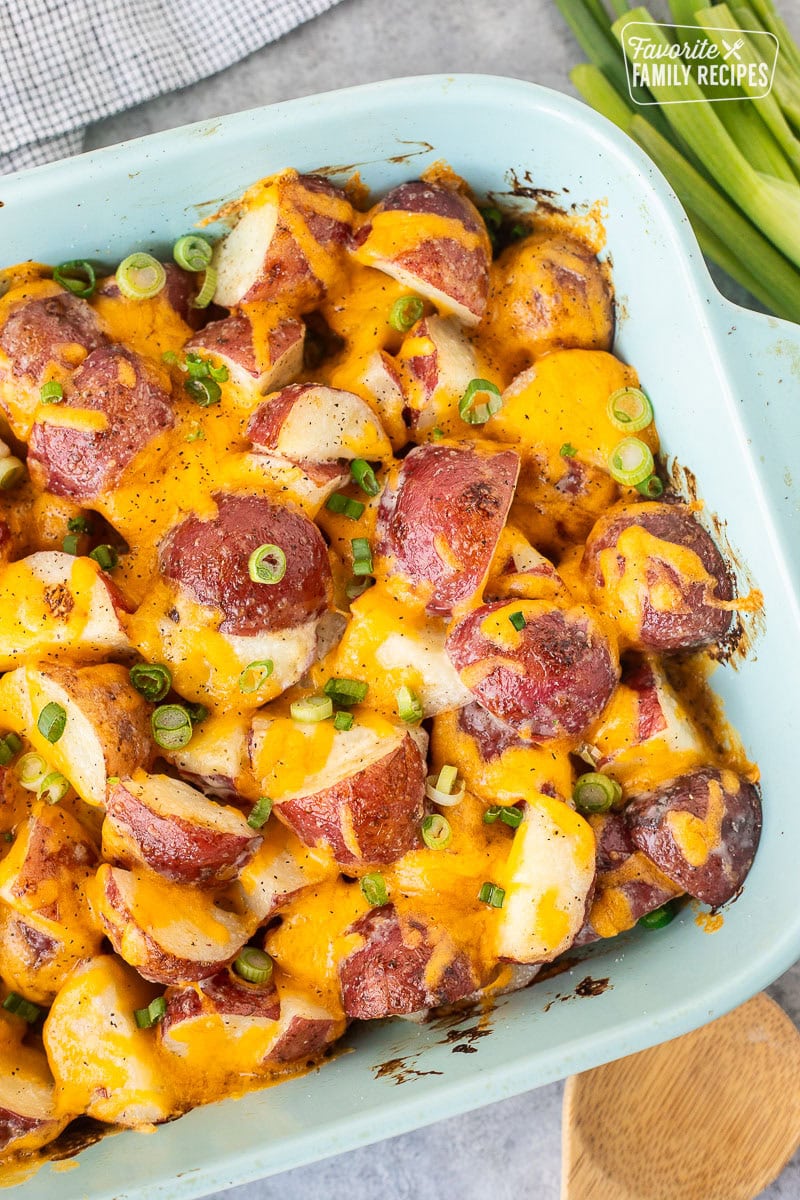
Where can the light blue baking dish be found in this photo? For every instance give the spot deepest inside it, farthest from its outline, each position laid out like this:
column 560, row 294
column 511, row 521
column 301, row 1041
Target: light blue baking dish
column 726, row 387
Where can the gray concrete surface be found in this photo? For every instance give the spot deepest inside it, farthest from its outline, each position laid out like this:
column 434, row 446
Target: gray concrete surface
column 512, row 1149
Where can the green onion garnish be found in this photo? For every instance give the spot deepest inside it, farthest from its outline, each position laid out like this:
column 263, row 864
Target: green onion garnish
column 255, row 675
column 362, row 556
column 510, row 815
column 374, row 889
column 260, row 812
column 52, row 721
column 478, row 414
column 357, row 587
column 31, row 770
column 254, row 965
column 568, row 450
column 267, row 564
column 517, row 620
column 405, row 312
column 53, row 788
column 363, row 474
column 12, row 470
column 10, row 746
column 596, row 793
column 339, row 503
column 652, row 488
column 659, row 917
column 77, row 276
column 436, row 832
column 192, row 252
column 445, row 788
column 151, row 680
column 197, row 435
column 105, row 556
column 197, row 712
column 630, row 409
column 70, row 543
column 79, row 525
column 631, row 462
column 409, row 705
column 51, row 393
column 312, row 708
column 169, row 357
column 20, row 1007
column 140, row 276
column 345, row 692
column 156, row 1010
column 206, row 293
column 204, row 391
column 172, row 726
column 343, row 721
column 492, row 895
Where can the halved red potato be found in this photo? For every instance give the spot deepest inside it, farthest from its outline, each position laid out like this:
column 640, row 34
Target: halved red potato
column 381, row 385
column 103, row 1064
column 439, row 520
column 403, row 963
column 168, row 826
column 107, row 729
column 436, row 364
column 628, row 885
column 29, row 1116
column 360, row 791
column 262, row 351
column 306, row 484
column 431, row 239
column 59, row 604
column 518, row 569
column 657, row 573
column 549, row 291
column 551, row 677
column 151, row 327
column 287, row 242
column 306, row 1026
column 170, row 933
column 548, row 881
column 215, row 760
column 311, row 423
column 281, row 867
column 701, row 830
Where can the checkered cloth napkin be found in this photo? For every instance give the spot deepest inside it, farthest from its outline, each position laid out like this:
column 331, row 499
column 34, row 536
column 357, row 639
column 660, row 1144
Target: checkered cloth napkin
column 66, row 63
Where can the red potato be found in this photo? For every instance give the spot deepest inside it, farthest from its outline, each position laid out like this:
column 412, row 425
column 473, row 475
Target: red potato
column 209, row 559
column 166, row 825
column 29, row 1117
column 179, row 291
column 431, row 239
column 701, row 830
column 548, row 881
column 63, row 605
column 215, row 760
column 659, row 575
column 436, row 363
column 365, row 801
column 168, row 932
column 115, row 407
column 382, row 386
column 287, row 243
column 402, row 965
column 305, row 484
column 280, row 869
column 550, row 678
column 439, row 520
column 309, row 423
column 260, row 352
column 518, row 569
column 103, row 1064
column 549, row 292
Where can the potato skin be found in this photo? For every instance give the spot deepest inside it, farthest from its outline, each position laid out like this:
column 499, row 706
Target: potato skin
column 223, row 993
column 37, row 333
column 553, row 678
column 695, row 620
column 83, row 464
column 232, row 339
column 386, row 975
column 701, row 830
column 456, row 496
column 209, row 559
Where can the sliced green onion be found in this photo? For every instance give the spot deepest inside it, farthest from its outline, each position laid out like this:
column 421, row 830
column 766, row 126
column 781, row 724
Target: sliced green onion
column 346, row 691
column 630, row 409
column 197, row 713
column 197, row 435
column 53, row 788
column 631, row 462
column 510, row 815
column 206, row 293
column 659, row 917
column 405, row 312
column 374, row 889
column 518, row 230
column 105, row 556
column 260, row 812
column 70, row 543
column 151, row 680
column 357, row 587
column 343, row 721
column 447, row 778
column 79, row 525
column 446, row 789
column 169, row 357
column 363, row 474
column 156, row 1010
column 492, row 814
column 12, row 470
column 172, row 726
column 478, row 414
column 52, row 721
column 77, row 276
column 492, row 217
column 518, row 621
column 436, row 832
column 220, row 373
column 437, row 434
column 140, row 276
column 409, row 705
column 192, row 252
column 568, row 450
column 31, row 770
column 362, row 556
column 312, row 708
column 267, row 564
column 339, row 503
column 254, row 965
column 596, row 793
column 10, row 746
column 20, row 1007
column 255, row 675
column 204, row 391
column 51, row 393
column 492, row 894
column 652, row 487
